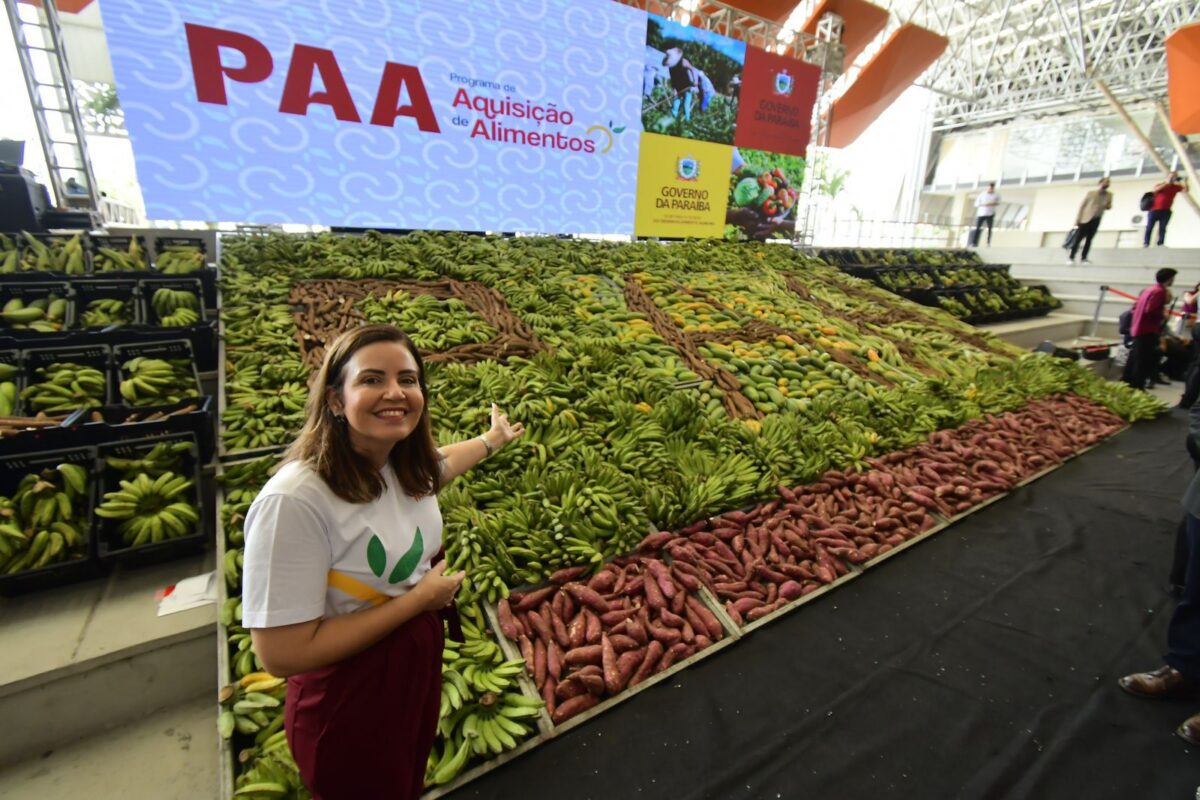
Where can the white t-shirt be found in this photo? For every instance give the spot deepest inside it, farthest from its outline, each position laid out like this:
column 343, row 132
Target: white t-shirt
column 986, row 204
column 297, row 530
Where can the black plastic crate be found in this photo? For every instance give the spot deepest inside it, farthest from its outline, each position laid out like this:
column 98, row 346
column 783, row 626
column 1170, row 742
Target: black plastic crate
column 87, row 291
column 31, row 292
column 149, row 286
column 15, row 467
column 51, row 240
column 97, row 356
column 119, row 423
column 110, row 541
column 121, row 245
column 166, row 350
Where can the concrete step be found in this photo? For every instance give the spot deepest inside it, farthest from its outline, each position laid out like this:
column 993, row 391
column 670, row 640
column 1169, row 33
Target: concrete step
column 168, row 755
column 1152, row 258
column 1029, row 333
column 1111, row 275
column 78, row 660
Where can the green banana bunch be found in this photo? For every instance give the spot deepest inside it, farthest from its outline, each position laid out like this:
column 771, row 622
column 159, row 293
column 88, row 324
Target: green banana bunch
column 58, row 256
column 63, row 387
column 9, row 256
column 8, row 389
column 175, row 308
column 44, row 521
column 107, row 312
column 180, row 260
column 44, row 315
column 132, row 260
column 162, row 457
column 151, row 510
column 483, row 712
column 156, row 381
column 241, row 483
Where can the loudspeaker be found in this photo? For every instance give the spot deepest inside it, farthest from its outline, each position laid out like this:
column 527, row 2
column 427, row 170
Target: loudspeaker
column 22, row 202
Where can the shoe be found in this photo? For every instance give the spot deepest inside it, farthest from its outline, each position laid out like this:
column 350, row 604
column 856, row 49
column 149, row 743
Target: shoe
column 1086, row 260
column 1189, row 731
column 1160, row 381
column 1162, row 682
column 1070, row 260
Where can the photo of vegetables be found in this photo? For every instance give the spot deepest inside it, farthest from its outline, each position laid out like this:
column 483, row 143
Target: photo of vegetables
column 764, row 189
column 690, row 82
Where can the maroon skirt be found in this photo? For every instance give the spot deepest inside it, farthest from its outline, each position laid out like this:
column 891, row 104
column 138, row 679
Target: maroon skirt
column 363, row 728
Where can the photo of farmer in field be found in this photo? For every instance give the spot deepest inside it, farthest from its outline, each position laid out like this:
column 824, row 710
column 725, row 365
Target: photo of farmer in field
column 691, row 81
column 764, row 191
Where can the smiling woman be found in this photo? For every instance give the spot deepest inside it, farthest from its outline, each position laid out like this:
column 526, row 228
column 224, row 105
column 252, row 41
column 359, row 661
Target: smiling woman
column 341, row 591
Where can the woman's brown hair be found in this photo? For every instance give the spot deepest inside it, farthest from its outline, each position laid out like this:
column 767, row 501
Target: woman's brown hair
column 324, row 441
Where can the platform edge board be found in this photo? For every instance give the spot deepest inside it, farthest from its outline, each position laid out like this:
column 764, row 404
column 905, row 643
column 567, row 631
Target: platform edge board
column 900, row 548
column 608, row 703
column 718, row 609
column 225, row 753
column 993, row 499
column 528, row 688
column 800, row 601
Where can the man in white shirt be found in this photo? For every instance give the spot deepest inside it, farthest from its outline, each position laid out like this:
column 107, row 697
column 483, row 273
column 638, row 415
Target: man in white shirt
column 985, row 212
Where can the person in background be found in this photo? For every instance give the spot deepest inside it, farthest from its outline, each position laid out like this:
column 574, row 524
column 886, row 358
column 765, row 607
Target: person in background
column 685, row 83
column 1187, row 310
column 1146, row 329
column 985, row 212
column 1095, row 203
column 343, row 593
column 1181, row 673
column 1160, row 212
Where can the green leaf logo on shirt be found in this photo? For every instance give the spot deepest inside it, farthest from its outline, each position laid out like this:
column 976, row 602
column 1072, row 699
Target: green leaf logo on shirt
column 377, row 558
column 408, row 562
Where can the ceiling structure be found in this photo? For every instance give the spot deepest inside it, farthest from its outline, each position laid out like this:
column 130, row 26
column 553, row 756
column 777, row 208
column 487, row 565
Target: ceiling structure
column 1014, row 58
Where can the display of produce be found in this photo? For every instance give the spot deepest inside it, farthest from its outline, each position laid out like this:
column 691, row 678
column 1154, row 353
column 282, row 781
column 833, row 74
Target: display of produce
column 157, row 381
column 587, row 638
column 154, row 502
column 175, row 308
column 45, row 521
column 132, row 259
column 62, row 387
column 46, row 314
column 106, row 312
column 56, row 254
column 180, row 259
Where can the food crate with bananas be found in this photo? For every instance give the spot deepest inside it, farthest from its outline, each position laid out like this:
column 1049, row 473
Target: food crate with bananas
column 63, row 255
column 119, row 254
column 150, row 508
column 33, row 309
column 46, row 504
column 107, row 303
column 158, row 374
column 61, row 380
column 179, row 255
column 172, row 303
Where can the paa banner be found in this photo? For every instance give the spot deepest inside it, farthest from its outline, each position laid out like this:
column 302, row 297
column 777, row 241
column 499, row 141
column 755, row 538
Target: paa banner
column 443, row 114
column 459, row 115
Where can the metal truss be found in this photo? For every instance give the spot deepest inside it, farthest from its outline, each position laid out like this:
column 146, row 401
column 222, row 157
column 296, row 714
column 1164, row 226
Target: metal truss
column 1013, row 58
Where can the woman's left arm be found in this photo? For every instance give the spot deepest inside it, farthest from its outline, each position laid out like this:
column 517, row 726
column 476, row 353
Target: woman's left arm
column 461, row 456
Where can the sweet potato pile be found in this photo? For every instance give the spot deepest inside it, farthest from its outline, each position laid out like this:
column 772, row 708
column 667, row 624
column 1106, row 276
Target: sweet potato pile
column 587, row 639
